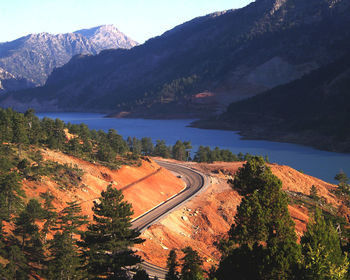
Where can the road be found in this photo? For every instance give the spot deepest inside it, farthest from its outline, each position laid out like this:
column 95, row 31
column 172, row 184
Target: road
column 195, row 181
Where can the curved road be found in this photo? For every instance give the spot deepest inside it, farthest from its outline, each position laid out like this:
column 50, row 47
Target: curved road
column 195, row 181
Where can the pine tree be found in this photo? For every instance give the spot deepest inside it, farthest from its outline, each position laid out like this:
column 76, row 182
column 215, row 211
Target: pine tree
column 147, row 146
column 17, row 266
column 179, row 151
column 109, row 238
column 341, row 177
column 30, row 242
column 49, row 214
column 161, row 150
column 64, row 260
column 263, row 230
column 141, row 274
column 11, row 193
column 313, row 192
column 322, row 254
column 172, row 265
column 191, row 265
column 252, row 176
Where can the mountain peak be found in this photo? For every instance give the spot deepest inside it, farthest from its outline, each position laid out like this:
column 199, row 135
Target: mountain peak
column 34, row 56
column 107, row 37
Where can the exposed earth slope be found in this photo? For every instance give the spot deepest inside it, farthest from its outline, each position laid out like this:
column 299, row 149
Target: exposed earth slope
column 151, row 184
column 205, row 219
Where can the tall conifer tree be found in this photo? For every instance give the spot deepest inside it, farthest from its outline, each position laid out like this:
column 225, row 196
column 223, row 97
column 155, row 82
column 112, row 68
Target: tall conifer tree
column 109, row 238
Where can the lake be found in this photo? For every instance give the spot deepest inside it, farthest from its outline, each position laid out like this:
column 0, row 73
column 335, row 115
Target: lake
column 321, row 164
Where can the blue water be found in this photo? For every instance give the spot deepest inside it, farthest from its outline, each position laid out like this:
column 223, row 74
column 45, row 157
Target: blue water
column 321, row 164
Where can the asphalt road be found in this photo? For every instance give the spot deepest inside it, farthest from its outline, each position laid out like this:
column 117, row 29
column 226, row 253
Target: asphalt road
column 195, row 181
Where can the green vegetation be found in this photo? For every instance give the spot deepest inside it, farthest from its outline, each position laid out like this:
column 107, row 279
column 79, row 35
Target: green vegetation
column 322, row 254
column 191, row 266
column 26, row 129
column 22, row 131
column 172, row 266
column 313, row 193
column 263, row 229
column 101, row 251
column 262, row 241
column 205, row 154
column 108, row 240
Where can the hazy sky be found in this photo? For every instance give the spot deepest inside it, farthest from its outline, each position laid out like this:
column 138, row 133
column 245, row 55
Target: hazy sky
column 139, row 19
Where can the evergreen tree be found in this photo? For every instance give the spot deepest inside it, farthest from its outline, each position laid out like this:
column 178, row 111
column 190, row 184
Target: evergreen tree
column 64, row 259
column 161, row 150
column 147, row 146
column 116, row 142
column 17, row 266
column 34, row 131
column 141, row 274
column 263, row 229
column 136, row 146
column 202, row 154
column 106, row 153
column 341, row 177
column 179, row 151
column 172, row 265
column 322, row 255
column 30, row 243
column 313, row 192
column 6, row 125
column 11, row 193
column 188, row 148
column 49, row 214
column 191, row 265
column 252, row 176
column 109, row 238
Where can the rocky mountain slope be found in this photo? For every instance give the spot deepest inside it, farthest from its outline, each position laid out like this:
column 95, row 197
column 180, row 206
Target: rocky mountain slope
column 33, row 57
column 314, row 110
column 107, row 37
column 202, row 65
column 11, row 83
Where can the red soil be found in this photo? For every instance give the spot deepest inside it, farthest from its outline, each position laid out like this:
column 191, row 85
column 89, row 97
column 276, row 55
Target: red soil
column 206, row 218
column 148, row 184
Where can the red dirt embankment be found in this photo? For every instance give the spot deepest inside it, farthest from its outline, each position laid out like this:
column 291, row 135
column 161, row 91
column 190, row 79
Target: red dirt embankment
column 144, row 187
column 206, row 218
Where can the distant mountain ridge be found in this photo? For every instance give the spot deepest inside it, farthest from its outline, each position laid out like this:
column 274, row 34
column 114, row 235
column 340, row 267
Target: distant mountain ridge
column 33, row 57
column 107, row 37
column 313, row 110
column 201, row 66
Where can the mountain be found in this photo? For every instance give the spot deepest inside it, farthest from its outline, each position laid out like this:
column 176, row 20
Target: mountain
column 33, row 57
column 199, row 67
column 313, row 110
column 107, row 37
column 11, row 83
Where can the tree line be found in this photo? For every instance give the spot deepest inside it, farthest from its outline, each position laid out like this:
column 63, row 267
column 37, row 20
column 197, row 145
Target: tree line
column 108, row 148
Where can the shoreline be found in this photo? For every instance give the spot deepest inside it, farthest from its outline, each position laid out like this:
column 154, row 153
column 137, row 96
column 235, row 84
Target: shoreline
column 307, row 138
